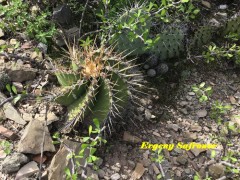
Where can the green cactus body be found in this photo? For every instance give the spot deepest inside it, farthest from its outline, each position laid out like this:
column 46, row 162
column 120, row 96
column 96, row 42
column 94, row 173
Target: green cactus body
column 132, row 35
column 170, row 44
column 131, row 29
column 101, row 90
column 232, row 26
column 201, row 37
column 4, row 80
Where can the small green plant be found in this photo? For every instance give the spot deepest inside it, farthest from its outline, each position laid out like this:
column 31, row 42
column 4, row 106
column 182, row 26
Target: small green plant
column 6, row 146
column 218, row 110
column 157, row 157
column 14, row 94
column 87, row 152
column 202, row 92
column 16, row 18
column 228, row 51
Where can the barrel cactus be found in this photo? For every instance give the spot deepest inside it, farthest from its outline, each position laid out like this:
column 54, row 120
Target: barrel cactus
column 100, row 84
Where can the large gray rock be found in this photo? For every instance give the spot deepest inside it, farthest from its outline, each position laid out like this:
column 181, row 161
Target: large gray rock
column 21, row 74
column 27, row 170
column 12, row 163
column 62, row 15
column 32, row 138
column 70, row 34
column 10, row 112
column 60, row 160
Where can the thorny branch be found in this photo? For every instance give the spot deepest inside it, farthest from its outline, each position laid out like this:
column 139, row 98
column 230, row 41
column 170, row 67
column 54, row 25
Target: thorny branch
column 83, row 13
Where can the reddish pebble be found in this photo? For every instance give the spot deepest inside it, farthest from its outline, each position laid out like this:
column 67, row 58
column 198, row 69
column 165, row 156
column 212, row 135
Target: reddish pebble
column 37, row 158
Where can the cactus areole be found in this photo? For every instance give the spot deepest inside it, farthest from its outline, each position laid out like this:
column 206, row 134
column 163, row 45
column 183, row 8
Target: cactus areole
column 99, row 84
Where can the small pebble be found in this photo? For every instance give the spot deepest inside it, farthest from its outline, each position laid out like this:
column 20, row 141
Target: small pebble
column 151, row 73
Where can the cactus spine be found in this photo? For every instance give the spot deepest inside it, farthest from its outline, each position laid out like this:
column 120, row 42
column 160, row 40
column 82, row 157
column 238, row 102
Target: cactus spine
column 99, row 85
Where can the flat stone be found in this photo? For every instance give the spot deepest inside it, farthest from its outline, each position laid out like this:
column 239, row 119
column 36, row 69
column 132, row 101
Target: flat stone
column 155, row 169
column 10, row 112
column 130, row 138
column 156, row 134
column 32, row 138
column 237, row 95
column 2, row 42
column 12, row 163
column 184, row 111
column 216, row 170
column 91, row 174
column 138, row 172
column 196, row 128
column 191, row 93
column 7, row 133
column 60, row 160
column 146, row 162
column 233, row 100
column 182, row 159
column 148, row 114
column 101, row 173
column 206, row 4
column 174, row 127
column 236, row 119
column 43, row 47
column 131, row 164
column 51, row 117
column 223, row 7
column 13, row 41
column 201, row 113
column 1, row 33
column 27, row 170
column 197, row 151
column 21, row 75
column 27, row 117
column 183, row 103
column 115, row 176
column 189, row 98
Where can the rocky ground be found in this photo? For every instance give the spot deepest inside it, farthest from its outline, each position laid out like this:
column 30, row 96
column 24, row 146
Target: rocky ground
column 170, row 115
column 185, row 120
column 167, row 117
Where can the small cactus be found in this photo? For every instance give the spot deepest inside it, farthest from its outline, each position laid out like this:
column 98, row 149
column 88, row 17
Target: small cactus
column 99, row 85
column 201, row 37
column 170, row 44
column 232, row 26
column 4, row 80
column 132, row 29
column 132, row 35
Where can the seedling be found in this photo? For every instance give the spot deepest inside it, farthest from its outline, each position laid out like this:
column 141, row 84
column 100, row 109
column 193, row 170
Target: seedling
column 202, row 91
